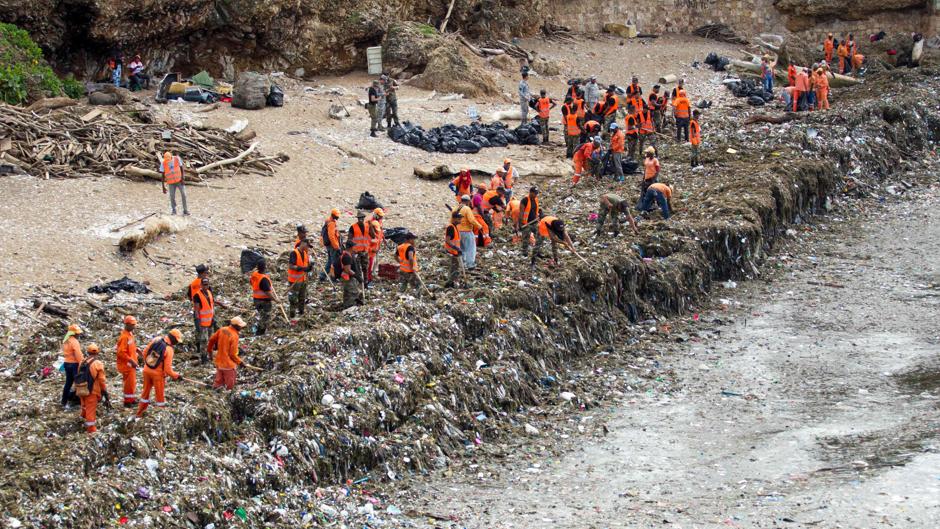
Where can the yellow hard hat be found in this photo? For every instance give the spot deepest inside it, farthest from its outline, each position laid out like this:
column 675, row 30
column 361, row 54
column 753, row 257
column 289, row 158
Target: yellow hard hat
column 378, row 211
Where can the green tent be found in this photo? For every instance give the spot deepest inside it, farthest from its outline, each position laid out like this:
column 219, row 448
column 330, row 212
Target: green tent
column 204, row 80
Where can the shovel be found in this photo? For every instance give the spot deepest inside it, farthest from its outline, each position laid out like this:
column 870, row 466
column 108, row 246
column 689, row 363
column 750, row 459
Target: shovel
column 432, row 296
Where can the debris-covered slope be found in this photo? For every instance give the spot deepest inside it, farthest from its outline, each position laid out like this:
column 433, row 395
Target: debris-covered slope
column 401, row 386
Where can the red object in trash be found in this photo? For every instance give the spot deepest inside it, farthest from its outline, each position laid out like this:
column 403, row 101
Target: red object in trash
column 892, row 52
column 388, row 271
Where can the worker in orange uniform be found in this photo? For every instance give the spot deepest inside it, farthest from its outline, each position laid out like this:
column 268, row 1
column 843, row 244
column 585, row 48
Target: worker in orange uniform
column 822, row 89
column 529, row 214
column 224, row 342
column 659, row 193
column 582, row 158
column 96, row 387
column 791, row 75
column 497, row 180
column 202, row 272
column 857, row 61
column 509, row 178
column 452, row 247
column 376, row 236
column 843, row 52
column 647, row 132
column 553, row 229
column 651, row 169
column 590, row 129
column 682, row 110
column 158, row 364
column 298, row 268
column 801, row 89
column 632, row 130
column 204, row 306
column 330, row 239
column 172, row 169
column 695, row 137
column 463, row 184
column 617, row 139
column 360, row 237
column 262, row 294
column 828, row 46
column 611, row 104
column 572, row 133
column 72, row 355
column 408, row 264
column 544, row 106
column 128, row 357
column 492, row 207
column 467, row 227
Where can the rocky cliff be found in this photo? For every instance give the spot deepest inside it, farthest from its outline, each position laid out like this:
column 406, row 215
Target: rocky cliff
column 317, row 36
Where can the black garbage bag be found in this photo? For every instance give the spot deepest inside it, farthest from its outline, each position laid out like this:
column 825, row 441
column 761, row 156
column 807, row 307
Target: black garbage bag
column 449, row 146
column 468, row 147
column 396, row 234
column 481, row 140
column 275, row 97
column 722, row 64
column 629, row 166
column 712, row 59
column 249, row 260
column 756, row 101
column 397, row 133
column 499, row 141
column 767, row 96
column 125, row 284
column 367, row 201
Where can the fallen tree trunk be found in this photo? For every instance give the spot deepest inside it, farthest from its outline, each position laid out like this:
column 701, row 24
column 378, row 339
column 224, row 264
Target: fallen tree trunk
column 49, row 308
column 51, row 103
column 835, row 80
column 143, row 173
column 229, row 161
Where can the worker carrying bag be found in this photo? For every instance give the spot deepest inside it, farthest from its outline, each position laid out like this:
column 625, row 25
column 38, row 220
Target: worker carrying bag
column 83, row 379
column 155, row 352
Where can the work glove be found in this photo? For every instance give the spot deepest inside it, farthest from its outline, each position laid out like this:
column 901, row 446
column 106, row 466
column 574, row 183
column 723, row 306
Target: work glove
column 452, row 187
column 178, row 378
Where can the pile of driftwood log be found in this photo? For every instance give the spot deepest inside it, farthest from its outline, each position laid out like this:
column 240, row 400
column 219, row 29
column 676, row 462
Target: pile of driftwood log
column 79, row 142
column 553, row 31
column 720, row 32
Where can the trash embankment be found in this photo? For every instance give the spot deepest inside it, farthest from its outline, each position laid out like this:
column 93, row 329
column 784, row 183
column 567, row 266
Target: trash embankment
column 401, row 386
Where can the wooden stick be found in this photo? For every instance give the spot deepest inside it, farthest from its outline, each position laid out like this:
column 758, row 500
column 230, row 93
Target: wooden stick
column 447, row 16
column 228, row 161
column 249, row 366
column 194, row 381
column 145, row 217
column 423, row 285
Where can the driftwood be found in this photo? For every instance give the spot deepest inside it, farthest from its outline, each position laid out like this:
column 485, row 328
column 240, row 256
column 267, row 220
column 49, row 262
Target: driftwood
column 73, row 143
column 51, row 309
column 346, row 150
column 765, row 118
column 473, row 49
column 557, row 32
column 720, row 32
column 150, row 174
column 51, row 103
column 229, row 161
column 447, row 16
column 515, row 51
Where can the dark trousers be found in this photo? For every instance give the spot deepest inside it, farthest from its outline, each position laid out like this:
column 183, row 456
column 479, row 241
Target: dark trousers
column 651, row 195
column 332, row 255
column 71, row 369
column 682, row 129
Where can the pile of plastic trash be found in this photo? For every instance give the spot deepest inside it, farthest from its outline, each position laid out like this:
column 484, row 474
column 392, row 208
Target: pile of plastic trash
column 465, row 138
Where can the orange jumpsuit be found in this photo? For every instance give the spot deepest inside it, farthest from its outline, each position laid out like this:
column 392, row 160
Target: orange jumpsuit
column 225, row 341
column 375, row 242
column 580, row 159
column 128, row 357
column 827, row 47
column 155, row 378
column 843, row 53
column 98, row 388
column 822, row 90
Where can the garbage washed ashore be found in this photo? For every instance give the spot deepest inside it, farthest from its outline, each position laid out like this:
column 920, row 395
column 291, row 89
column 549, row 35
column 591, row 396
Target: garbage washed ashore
column 400, row 386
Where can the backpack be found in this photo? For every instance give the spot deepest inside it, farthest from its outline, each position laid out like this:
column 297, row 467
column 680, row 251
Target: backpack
column 83, row 379
column 155, row 353
column 324, row 236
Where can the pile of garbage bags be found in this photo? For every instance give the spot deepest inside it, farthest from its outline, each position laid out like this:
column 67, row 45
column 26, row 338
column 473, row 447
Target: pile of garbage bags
column 466, row 139
column 717, row 62
column 752, row 90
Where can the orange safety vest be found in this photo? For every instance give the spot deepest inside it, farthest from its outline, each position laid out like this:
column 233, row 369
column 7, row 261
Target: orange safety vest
column 610, row 109
column 646, row 122
column 360, row 238
column 302, row 261
column 592, row 126
column 194, row 287
column 637, row 103
column 633, row 90
column 571, row 120
column 507, row 180
column 544, row 104
column 631, row 125
column 513, row 209
column 528, row 208
column 452, row 243
column 682, row 107
column 256, row 292
column 403, row 262
column 579, row 104
column 376, row 242
column 544, row 225
column 695, row 132
column 206, row 308
column 485, row 206
column 173, row 170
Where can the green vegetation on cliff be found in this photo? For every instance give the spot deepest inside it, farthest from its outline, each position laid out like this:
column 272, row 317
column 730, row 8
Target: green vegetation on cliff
column 24, row 73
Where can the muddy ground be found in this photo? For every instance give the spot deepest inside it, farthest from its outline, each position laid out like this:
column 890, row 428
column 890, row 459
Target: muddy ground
column 812, row 402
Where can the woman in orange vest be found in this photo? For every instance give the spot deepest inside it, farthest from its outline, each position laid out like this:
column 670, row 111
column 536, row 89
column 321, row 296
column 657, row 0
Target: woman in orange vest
column 408, row 264
column 377, row 236
column 462, row 184
column 262, row 292
column 553, row 229
column 172, row 169
column 98, row 387
column 544, row 106
column 127, row 357
column 298, row 268
column 695, row 137
column 158, row 364
column 225, row 341
column 204, row 306
column 72, row 356
column 822, row 90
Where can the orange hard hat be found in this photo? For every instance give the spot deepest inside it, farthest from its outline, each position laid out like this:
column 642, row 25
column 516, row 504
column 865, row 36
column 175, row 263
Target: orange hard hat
column 92, row 349
column 75, row 329
column 175, row 333
column 507, row 160
column 130, row 320
column 334, row 212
